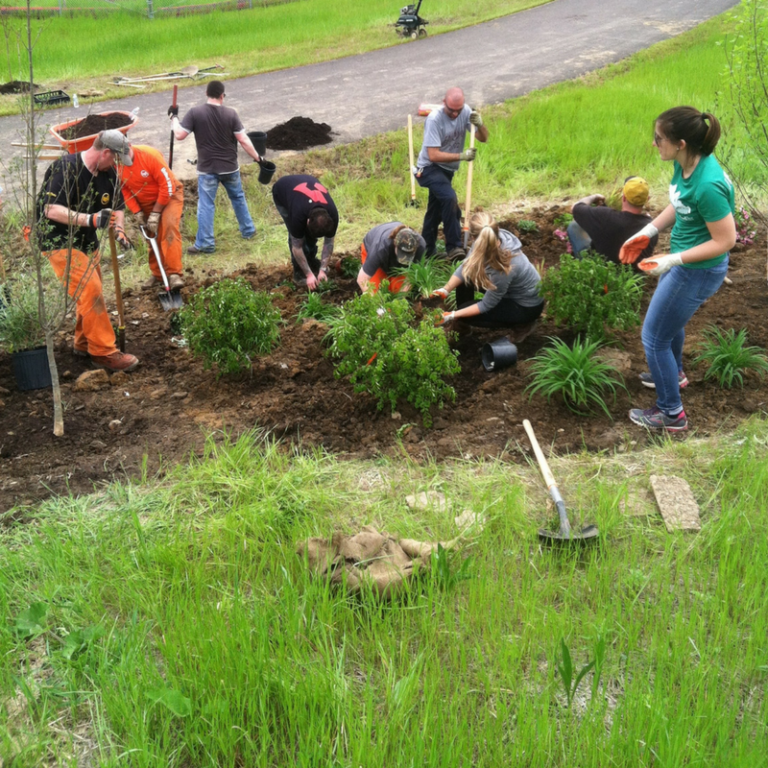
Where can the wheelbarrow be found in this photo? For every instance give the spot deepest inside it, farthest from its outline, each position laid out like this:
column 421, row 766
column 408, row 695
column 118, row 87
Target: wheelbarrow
column 86, row 142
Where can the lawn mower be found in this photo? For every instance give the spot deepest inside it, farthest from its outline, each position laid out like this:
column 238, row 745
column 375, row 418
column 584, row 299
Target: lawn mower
column 410, row 24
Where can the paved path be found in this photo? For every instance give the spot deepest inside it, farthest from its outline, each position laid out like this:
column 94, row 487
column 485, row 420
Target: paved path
column 374, row 92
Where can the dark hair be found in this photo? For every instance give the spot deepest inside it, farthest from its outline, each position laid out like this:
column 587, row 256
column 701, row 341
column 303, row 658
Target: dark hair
column 320, row 223
column 214, row 89
column 699, row 130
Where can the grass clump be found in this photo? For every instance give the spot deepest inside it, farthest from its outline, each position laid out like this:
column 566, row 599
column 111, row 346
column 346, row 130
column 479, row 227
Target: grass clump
column 527, row 227
column 427, row 275
column 592, row 296
column 386, row 357
column 313, row 307
column 575, row 373
column 228, row 324
column 728, row 358
column 20, row 327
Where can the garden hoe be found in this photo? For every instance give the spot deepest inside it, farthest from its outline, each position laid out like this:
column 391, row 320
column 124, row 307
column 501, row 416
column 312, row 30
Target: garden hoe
column 413, row 202
column 168, row 299
column 565, row 535
column 170, row 150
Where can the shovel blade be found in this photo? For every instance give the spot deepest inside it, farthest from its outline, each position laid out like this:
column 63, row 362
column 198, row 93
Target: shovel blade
column 585, row 535
column 170, row 300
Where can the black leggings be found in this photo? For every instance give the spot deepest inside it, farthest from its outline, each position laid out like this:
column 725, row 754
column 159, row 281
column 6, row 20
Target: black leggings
column 505, row 314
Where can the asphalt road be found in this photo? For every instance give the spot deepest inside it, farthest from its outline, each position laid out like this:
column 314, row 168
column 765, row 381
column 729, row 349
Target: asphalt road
column 364, row 95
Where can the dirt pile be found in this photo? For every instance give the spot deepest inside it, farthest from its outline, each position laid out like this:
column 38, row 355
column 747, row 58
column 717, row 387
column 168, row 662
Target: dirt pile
column 95, row 123
column 298, row 133
column 16, row 86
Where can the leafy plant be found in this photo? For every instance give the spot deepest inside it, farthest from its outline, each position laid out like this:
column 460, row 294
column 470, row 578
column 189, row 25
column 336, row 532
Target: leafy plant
column 427, row 275
column 527, row 226
column 565, row 669
column 745, row 229
column 349, row 267
column 228, row 324
column 387, row 358
column 728, row 358
column 20, row 327
column 443, row 574
column 576, row 373
column 592, row 295
column 314, row 307
column 563, row 220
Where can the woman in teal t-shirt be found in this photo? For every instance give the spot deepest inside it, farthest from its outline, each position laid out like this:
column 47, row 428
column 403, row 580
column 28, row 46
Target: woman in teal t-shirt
column 700, row 212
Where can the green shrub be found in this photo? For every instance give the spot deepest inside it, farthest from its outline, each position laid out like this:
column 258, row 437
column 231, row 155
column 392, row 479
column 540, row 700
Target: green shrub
column 229, row 324
column 728, row 358
column 562, row 221
column 20, row 327
column 314, row 307
column 576, row 373
column 349, row 267
column 427, row 275
column 384, row 356
column 592, row 296
column 527, row 227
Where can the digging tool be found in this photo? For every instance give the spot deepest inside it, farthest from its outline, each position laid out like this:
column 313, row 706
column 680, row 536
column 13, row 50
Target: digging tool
column 118, row 291
column 565, row 534
column 168, row 299
column 410, row 157
column 468, row 202
column 170, row 151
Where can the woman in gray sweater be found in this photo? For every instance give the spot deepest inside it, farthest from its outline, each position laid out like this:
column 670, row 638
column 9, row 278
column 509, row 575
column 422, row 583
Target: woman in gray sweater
column 497, row 266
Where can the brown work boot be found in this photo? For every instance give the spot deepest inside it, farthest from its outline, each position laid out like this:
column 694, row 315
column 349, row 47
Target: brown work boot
column 80, row 352
column 153, row 282
column 175, row 282
column 117, row 361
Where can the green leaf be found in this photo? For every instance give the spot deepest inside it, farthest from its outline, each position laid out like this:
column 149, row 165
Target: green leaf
column 30, row 623
column 172, row 699
column 79, row 640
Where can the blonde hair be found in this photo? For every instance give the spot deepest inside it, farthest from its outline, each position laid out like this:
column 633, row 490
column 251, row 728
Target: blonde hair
column 486, row 252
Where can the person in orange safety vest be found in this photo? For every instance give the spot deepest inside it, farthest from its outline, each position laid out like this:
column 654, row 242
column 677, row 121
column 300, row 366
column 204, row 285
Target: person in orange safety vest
column 156, row 198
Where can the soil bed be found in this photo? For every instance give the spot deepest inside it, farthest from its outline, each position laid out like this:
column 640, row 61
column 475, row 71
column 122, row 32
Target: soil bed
column 298, row 133
column 95, row 123
column 165, row 408
column 17, row 86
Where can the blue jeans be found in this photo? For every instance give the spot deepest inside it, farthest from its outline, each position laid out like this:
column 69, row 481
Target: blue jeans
column 442, row 206
column 678, row 295
column 579, row 238
column 207, row 186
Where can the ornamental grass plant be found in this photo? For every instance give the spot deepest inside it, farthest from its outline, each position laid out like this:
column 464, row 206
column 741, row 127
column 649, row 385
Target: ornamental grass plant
column 427, row 275
column 728, row 358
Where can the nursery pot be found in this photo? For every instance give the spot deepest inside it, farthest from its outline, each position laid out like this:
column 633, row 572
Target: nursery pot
column 259, row 141
column 30, row 367
column 266, row 171
column 499, row 354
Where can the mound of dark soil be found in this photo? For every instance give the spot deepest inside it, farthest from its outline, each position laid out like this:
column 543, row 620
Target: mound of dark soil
column 162, row 409
column 298, row 133
column 16, row 86
column 95, row 123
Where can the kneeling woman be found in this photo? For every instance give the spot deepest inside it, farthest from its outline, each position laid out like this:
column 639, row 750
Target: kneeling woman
column 497, row 266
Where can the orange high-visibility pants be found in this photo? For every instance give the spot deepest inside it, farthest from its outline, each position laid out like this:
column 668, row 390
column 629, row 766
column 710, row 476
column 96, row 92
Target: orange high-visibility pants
column 168, row 235
column 93, row 330
column 395, row 283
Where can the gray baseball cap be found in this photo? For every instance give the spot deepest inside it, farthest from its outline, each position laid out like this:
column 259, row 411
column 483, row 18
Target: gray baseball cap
column 406, row 244
column 119, row 144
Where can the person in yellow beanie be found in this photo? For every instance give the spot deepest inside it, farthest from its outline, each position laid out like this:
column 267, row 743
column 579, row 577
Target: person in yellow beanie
column 599, row 228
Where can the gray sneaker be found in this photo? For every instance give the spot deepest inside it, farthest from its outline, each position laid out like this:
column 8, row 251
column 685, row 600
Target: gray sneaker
column 647, row 380
column 653, row 418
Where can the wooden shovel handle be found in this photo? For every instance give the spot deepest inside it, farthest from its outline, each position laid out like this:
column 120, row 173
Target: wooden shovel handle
column 468, row 201
column 118, row 290
column 546, row 472
column 410, row 157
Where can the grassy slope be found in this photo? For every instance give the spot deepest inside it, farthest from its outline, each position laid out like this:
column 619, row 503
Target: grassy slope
column 205, row 608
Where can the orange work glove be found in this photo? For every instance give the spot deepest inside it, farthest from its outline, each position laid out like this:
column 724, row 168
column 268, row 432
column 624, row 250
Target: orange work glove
column 635, row 245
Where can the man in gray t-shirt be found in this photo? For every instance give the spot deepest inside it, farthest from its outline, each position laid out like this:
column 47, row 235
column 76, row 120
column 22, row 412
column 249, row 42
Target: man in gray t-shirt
column 218, row 131
column 443, row 148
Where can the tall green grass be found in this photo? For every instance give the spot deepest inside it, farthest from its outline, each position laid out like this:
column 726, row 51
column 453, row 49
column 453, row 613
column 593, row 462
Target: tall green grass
column 203, row 641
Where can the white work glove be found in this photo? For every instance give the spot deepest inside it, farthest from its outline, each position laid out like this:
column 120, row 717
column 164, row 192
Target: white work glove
column 476, row 118
column 635, row 245
column 440, row 293
column 468, row 154
column 658, row 265
column 141, row 219
column 153, row 222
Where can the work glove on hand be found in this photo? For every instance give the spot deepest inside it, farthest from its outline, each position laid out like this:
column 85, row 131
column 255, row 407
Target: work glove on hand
column 141, row 219
column 635, row 245
column 468, row 154
column 153, row 222
column 122, row 240
column 448, row 317
column 173, row 111
column 476, row 118
column 658, row 265
column 101, row 219
column 440, row 293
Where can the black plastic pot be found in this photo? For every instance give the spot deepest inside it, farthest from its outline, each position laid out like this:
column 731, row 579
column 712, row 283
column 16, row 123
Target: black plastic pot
column 259, row 141
column 30, row 367
column 266, row 171
column 498, row 354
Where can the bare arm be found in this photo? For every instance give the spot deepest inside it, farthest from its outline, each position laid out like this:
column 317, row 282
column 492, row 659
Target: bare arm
column 247, row 145
column 326, row 254
column 63, row 215
column 363, row 280
column 723, row 239
column 665, row 219
column 179, row 133
column 589, row 200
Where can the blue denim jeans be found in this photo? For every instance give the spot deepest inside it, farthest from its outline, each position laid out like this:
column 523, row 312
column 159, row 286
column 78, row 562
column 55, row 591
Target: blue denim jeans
column 442, row 206
column 678, row 295
column 579, row 238
column 207, row 186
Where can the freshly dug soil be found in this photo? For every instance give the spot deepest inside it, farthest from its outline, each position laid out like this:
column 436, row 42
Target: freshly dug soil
column 95, row 123
column 17, row 86
column 165, row 406
column 298, row 133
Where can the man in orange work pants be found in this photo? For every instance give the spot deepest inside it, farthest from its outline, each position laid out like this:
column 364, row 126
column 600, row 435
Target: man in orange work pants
column 156, row 198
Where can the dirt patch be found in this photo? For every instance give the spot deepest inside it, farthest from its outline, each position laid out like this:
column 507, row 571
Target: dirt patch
column 164, row 409
column 299, row 133
column 95, row 123
column 17, row 86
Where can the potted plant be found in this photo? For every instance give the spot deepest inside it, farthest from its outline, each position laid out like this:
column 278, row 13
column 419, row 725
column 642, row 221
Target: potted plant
column 22, row 336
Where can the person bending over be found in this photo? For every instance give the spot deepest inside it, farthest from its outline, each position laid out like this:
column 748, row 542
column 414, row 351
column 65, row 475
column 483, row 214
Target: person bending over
column 384, row 249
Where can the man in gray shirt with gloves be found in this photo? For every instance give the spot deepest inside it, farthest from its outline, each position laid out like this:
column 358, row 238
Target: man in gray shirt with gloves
column 441, row 152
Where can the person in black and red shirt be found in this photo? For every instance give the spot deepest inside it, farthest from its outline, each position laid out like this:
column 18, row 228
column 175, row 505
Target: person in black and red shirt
column 309, row 213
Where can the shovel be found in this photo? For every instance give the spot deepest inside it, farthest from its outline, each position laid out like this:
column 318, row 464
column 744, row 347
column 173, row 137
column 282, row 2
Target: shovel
column 565, row 534
column 413, row 202
column 118, row 291
column 168, row 299
column 468, row 201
